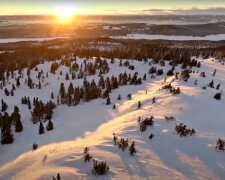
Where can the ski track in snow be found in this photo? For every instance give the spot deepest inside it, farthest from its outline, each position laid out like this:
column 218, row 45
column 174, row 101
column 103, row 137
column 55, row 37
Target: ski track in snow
column 92, row 124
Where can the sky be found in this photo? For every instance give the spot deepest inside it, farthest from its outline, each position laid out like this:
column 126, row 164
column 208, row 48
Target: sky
column 15, row 7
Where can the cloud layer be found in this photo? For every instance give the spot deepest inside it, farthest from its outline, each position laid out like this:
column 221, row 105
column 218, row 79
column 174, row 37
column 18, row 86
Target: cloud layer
column 192, row 11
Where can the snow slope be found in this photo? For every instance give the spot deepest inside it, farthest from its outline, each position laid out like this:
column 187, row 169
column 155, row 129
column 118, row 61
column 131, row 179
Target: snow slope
column 216, row 37
column 92, row 124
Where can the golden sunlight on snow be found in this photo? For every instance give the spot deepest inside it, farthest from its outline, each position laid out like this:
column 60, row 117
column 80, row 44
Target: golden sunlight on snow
column 158, row 159
column 63, row 157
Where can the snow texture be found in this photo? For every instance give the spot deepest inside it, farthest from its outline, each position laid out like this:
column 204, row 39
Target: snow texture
column 92, row 124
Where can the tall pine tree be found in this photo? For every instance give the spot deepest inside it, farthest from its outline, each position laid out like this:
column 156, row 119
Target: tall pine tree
column 16, row 120
column 6, row 133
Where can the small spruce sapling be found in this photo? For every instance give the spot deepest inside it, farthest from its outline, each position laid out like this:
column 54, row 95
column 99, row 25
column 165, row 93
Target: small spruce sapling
column 41, row 128
column 108, row 102
column 87, row 156
column 139, row 104
column 151, row 136
column 49, row 126
column 132, row 149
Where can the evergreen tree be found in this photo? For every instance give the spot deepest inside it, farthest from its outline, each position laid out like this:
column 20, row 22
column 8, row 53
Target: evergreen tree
column 211, row 84
column 112, row 61
column 6, row 92
column 144, row 77
column 67, row 76
column 48, row 111
column 7, row 136
column 58, row 177
column 4, row 106
column 41, row 128
column 62, row 92
column 185, row 75
column 139, row 104
column 58, row 102
column 218, row 86
column 184, row 65
column 52, row 96
column 170, row 72
column 151, row 136
column 121, row 64
column 153, row 100
column 28, row 72
column 39, row 85
column 54, row 67
column 218, row 96
column 69, row 94
column 73, row 76
column 35, row 100
column 16, row 120
column 49, row 126
column 101, row 82
column 99, row 168
column 13, row 87
column 202, row 74
column 12, row 93
column 115, row 138
column 129, row 97
column 114, row 82
column 18, row 82
column 159, row 72
column 214, row 72
column 199, row 64
column 196, row 82
column 132, row 149
column 134, row 79
column 105, row 94
column 35, row 146
column 28, row 103
column 87, row 156
column 108, row 101
column 6, row 133
column 123, row 143
column 220, row 144
column 30, row 83
column 177, row 91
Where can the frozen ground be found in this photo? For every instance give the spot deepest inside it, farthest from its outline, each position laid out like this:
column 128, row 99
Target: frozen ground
column 92, row 124
column 217, row 37
column 12, row 40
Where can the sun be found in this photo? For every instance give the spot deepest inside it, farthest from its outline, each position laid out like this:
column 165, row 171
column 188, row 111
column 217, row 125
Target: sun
column 64, row 14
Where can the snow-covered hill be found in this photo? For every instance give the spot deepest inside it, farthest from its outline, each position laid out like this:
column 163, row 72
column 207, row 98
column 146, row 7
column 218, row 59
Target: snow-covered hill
column 92, row 124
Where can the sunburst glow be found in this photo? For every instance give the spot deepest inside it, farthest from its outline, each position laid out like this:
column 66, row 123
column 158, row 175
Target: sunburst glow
column 65, row 14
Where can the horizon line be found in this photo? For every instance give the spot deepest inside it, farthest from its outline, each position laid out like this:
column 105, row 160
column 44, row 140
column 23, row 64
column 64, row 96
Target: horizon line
column 125, row 14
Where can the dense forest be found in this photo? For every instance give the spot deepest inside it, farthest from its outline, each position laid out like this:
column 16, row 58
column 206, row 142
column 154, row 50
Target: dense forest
column 30, row 56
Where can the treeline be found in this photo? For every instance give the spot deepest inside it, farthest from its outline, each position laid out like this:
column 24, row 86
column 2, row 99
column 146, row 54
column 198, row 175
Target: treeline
column 31, row 56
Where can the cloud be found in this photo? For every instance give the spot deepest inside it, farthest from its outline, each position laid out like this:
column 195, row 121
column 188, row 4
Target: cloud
column 192, row 11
